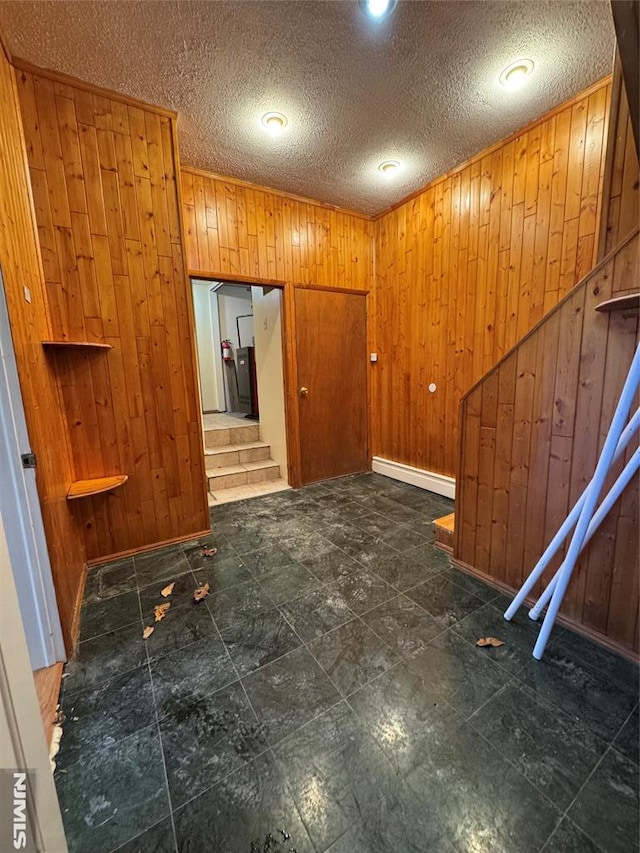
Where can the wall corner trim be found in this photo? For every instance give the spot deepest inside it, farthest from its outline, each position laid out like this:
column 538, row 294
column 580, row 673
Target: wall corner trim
column 429, row 480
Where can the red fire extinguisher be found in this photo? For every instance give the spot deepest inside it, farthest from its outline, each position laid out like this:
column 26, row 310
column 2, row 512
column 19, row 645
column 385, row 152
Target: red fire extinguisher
column 226, row 350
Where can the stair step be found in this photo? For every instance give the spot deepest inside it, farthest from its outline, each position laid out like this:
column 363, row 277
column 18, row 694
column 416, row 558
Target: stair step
column 239, row 493
column 241, row 475
column 236, row 454
column 234, row 435
column 443, row 530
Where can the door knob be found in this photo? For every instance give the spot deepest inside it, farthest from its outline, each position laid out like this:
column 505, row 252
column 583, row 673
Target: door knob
column 304, row 391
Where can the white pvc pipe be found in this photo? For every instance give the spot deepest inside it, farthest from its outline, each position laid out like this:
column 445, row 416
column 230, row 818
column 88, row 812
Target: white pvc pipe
column 630, row 469
column 602, row 469
column 556, row 543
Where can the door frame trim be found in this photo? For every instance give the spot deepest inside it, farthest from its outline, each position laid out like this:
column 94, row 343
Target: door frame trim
column 29, row 552
column 292, row 432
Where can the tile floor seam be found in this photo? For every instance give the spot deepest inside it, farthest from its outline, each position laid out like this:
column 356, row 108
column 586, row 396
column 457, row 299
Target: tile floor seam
column 469, row 720
column 521, row 775
column 112, row 631
column 225, row 776
column 565, row 814
column 502, row 687
column 349, row 696
column 557, row 711
column 434, row 615
column 244, row 689
column 340, row 693
column 559, row 824
column 293, row 799
column 164, row 760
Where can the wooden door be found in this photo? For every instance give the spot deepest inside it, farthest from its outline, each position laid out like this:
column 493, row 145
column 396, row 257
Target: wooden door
column 331, row 343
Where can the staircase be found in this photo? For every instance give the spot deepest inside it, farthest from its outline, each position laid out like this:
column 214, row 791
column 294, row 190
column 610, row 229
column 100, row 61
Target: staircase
column 238, row 464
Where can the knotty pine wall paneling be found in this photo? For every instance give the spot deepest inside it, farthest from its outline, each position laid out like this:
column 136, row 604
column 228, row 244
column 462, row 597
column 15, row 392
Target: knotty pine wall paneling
column 469, row 264
column 254, row 233
column 105, row 181
column 22, row 267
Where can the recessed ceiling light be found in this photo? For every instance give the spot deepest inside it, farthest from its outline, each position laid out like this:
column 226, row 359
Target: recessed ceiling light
column 378, row 9
column 389, row 168
column 516, row 75
column 274, row 123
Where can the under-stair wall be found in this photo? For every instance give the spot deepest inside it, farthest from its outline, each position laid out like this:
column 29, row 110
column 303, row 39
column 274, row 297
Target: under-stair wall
column 531, row 432
column 533, row 426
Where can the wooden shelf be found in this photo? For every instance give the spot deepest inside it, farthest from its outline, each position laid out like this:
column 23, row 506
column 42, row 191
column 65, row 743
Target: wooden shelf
column 80, row 344
column 629, row 303
column 86, row 488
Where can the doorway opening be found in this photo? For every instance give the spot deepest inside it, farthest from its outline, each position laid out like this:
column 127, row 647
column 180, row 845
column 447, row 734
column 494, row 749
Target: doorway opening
column 241, row 374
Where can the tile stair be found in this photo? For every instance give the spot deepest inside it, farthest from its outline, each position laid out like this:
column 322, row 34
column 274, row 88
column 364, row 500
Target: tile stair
column 236, row 457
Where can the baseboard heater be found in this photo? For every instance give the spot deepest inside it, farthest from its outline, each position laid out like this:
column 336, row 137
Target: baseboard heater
column 428, row 480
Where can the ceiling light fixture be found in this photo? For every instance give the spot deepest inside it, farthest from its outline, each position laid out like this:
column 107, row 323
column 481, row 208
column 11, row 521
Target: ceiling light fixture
column 274, row 123
column 389, row 168
column 378, row 9
column 516, row 75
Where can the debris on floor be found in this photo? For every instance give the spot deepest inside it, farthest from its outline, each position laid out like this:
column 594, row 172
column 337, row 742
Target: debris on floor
column 148, row 631
column 201, row 592
column 271, row 843
column 56, row 737
column 166, row 592
column 160, row 610
column 208, row 552
column 492, row 642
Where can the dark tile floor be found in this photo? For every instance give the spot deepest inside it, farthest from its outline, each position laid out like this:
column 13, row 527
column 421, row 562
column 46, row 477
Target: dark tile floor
column 329, row 689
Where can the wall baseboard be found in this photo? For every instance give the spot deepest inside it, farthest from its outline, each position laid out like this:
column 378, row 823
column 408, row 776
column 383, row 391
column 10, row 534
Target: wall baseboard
column 429, row 480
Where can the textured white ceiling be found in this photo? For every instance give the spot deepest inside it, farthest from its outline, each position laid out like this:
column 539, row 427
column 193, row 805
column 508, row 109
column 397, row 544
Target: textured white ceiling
column 421, row 88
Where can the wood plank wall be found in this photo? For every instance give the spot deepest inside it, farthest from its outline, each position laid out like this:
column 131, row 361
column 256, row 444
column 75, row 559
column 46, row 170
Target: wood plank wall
column 533, row 427
column 105, row 182
column 468, row 265
column 621, row 196
column 531, row 433
column 249, row 232
column 22, row 267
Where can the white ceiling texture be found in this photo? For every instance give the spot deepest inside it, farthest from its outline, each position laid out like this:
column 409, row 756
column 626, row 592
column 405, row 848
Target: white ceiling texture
column 420, row 87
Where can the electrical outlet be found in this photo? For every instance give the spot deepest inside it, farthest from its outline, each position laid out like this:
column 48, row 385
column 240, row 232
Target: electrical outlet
column 265, row 323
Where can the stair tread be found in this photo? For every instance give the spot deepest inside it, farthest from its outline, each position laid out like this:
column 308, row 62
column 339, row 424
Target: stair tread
column 262, row 463
column 235, row 448
column 245, row 425
column 447, row 521
column 241, row 469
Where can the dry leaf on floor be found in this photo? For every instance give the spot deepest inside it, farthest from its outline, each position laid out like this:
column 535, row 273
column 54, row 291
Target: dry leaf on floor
column 208, row 552
column 160, row 610
column 167, row 590
column 148, row 631
column 493, row 642
column 201, row 592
